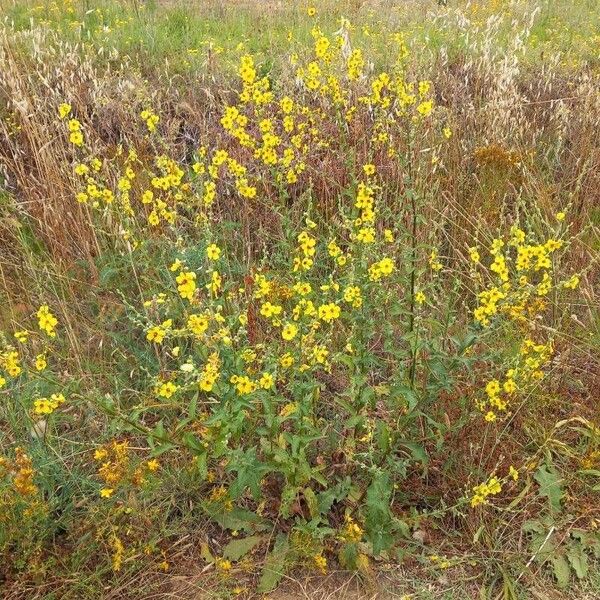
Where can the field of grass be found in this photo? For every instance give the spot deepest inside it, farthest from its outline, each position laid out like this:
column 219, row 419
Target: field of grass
column 300, row 300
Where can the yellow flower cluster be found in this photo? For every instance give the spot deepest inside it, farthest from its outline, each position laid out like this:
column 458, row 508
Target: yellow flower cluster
column 47, row 321
column 482, row 491
column 150, row 118
column 46, row 406
column 22, row 472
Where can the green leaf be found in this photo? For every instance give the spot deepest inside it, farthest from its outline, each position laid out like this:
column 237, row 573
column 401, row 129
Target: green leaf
column 561, row 570
column 311, row 502
column 238, row 519
column 379, row 522
column 417, row 451
column 579, row 560
column 238, row 548
column 250, row 471
column 274, row 568
column 549, row 482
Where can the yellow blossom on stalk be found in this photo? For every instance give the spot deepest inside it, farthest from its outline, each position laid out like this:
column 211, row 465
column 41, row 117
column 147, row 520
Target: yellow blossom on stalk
column 243, row 385
column 119, row 550
column 447, row 132
column 9, row 361
column 166, row 389
column 215, row 283
column 286, row 361
column 366, row 235
column 369, row 169
column 311, row 11
column 46, row 320
column 64, row 110
column 572, row 283
column 40, row 362
column 560, row 216
column 106, row 492
column 425, row 108
column 474, row 255
column 483, row 490
column 352, row 532
column 198, row 324
column 75, row 135
column 420, row 298
column 213, row 252
column 329, row 312
column 320, row 563
column 157, row 333
column 352, row 295
column 21, row 336
column 186, row 284
column 497, row 245
column 151, row 119
column 513, row 473
column 24, row 473
column 266, row 381
column 356, row 63
column 434, row 263
column 269, row 310
column 320, row 354
column 289, row 331
column 302, row 288
column 383, row 268
column 223, row 565
column 46, row 406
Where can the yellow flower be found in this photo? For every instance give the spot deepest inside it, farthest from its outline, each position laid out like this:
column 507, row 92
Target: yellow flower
column 420, row 298
column 286, row 361
column 21, row 336
column 243, row 385
column 269, row 310
column 46, row 406
column 572, row 283
column 167, row 389
column 223, row 565
column 76, row 138
column 64, row 110
column 483, row 490
column 474, row 255
column 213, row 252
column 311, row 11
column 321, row 563
column 369, row 169
column 186, row 284
column 329, row 312
column 106, row 492
column 46, row 320
column 40, row 362
column 198, row 324
column 266, row 381
column 289, row 331
column 425, row 108
column 156, row 334
column 560, row 216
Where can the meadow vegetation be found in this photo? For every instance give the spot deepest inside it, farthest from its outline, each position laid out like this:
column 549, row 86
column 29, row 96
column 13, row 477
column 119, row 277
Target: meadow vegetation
column 297, row 292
